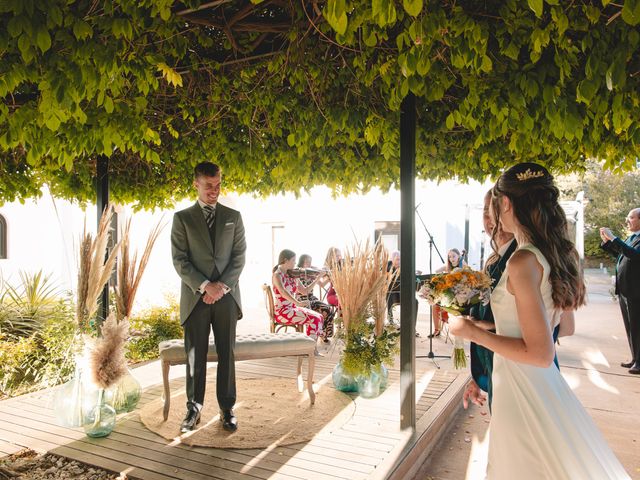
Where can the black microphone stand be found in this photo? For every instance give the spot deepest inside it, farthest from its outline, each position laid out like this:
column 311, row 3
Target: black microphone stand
column 432, row 245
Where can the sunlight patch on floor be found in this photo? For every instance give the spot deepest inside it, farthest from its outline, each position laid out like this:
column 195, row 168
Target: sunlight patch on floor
column 596, row 378
column 477, row 465
column 422, row 383
column 571, row 378
column 592, row 357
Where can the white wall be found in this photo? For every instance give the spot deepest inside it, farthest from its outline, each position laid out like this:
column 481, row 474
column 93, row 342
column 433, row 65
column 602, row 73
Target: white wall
column 43, row 234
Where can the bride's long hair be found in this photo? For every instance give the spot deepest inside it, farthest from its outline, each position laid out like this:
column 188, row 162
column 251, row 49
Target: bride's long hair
column 534, row 198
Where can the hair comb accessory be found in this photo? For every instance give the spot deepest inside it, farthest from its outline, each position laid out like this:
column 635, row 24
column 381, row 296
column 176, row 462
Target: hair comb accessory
column 528, row 175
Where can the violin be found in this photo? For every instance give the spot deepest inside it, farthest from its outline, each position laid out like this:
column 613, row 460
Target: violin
column 307, row 273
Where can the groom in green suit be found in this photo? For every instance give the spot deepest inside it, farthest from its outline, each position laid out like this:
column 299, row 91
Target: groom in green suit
column 208, row 249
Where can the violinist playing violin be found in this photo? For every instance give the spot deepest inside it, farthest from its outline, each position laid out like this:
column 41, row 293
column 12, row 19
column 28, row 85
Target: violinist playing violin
column 313, row 275
column 290, row 310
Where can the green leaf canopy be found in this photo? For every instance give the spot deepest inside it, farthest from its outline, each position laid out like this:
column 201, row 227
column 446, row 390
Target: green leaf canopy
column 288, row 95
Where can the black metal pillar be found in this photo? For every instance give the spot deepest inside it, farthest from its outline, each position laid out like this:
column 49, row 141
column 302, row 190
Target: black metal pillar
column 102, row 190
column 407, row 263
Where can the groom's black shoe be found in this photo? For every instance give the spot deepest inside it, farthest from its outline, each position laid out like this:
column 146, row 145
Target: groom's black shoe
column 191, row 420
column 229, row 420
column 635, row 369
column 627, row 364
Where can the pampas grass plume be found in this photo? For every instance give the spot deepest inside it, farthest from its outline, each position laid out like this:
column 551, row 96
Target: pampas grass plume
column 130, row 271
column 108, row 363
column 93, row 270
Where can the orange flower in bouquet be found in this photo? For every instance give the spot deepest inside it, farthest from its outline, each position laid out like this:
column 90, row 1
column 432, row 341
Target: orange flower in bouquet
column 455, row 292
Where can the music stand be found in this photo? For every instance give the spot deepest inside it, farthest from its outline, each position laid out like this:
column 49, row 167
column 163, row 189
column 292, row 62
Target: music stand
column 432, row 244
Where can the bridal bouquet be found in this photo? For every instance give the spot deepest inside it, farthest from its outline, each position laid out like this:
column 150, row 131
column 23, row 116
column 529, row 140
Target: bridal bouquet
column 455, row 292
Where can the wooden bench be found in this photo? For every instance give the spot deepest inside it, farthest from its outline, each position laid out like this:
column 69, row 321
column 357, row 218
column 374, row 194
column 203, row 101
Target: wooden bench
column 248, row 347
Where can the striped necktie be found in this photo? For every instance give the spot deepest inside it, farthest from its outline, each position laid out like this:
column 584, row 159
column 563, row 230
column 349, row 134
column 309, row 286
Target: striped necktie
column 631, row 238
column 209, row 215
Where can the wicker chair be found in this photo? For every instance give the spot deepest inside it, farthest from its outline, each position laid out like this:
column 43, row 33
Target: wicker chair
column 274, row 325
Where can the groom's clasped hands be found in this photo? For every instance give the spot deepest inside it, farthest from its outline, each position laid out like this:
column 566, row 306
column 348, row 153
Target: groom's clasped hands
column 213, row 292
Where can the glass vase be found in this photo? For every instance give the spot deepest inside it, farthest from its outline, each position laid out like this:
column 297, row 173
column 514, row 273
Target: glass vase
column 70, row 400
column 125, row 394
column 99, row 420
column 342, row 381
column 369, row 385
column 383, row 372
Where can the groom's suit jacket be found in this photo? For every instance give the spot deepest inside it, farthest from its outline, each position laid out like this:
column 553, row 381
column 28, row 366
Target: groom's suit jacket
column 199, row 255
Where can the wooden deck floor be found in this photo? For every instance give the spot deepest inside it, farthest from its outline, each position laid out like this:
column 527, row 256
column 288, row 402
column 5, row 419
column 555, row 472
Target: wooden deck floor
column 366, row 447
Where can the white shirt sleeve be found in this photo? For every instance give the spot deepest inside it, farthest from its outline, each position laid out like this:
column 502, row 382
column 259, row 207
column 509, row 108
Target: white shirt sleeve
column 203, row 285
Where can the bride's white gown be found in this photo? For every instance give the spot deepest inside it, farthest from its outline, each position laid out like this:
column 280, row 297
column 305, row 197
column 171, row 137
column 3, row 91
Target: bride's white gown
column 539, row 430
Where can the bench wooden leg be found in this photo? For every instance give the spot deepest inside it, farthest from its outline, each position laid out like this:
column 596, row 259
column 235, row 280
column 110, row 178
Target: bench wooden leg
column 299, row 375
column 312, row 364
column 167, row 392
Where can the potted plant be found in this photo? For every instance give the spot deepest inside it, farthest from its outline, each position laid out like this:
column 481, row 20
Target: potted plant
column 125, row 393
column 94, row 270
column 361, row 283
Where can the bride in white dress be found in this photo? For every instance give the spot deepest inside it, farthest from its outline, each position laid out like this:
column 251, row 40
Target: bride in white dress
column 539, row 430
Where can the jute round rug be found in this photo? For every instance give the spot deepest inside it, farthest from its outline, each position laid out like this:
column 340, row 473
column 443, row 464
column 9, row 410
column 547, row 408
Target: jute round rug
column 270, row 412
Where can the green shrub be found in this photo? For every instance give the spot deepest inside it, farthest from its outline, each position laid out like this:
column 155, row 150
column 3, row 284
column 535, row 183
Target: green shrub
column 42, row 359
column 592, row 243
column 14, row 361
column 25, row 307
column 152, row 327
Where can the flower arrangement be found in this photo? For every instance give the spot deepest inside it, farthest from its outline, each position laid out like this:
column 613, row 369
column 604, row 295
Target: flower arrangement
column 455, row 292
column 357, row 281
column 361, row 282
column 366, row 350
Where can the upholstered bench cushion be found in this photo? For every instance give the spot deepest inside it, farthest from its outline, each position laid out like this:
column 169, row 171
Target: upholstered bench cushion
column 255, row 345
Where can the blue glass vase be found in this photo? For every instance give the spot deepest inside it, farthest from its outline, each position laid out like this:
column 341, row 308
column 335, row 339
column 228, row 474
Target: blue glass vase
column 384, row 376
column 125, row 394
column 100, row 420
column 369, row 385
column 342, row 381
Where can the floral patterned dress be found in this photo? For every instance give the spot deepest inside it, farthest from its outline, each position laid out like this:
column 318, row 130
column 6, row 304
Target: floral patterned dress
column 288, row 313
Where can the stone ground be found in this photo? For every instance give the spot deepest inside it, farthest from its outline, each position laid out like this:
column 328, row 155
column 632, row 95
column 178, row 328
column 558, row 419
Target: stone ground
column 28, row 465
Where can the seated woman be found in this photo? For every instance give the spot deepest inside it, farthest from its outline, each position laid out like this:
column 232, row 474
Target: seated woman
column 288, row 309
column 325, row 310
column 454, row 260
column 332, row 261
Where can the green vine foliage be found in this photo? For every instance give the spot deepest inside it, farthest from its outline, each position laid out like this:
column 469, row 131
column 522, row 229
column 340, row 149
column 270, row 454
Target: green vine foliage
column 290, row 95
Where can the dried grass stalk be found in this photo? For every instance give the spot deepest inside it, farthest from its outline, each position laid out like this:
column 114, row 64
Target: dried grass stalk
column 358, row 281
column 379, row 301
column 94, row 271
column 84, row 265
column 108, row 363
column 129, row 271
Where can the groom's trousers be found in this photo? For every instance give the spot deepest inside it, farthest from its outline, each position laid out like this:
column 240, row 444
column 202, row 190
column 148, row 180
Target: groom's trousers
column 221, row 317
